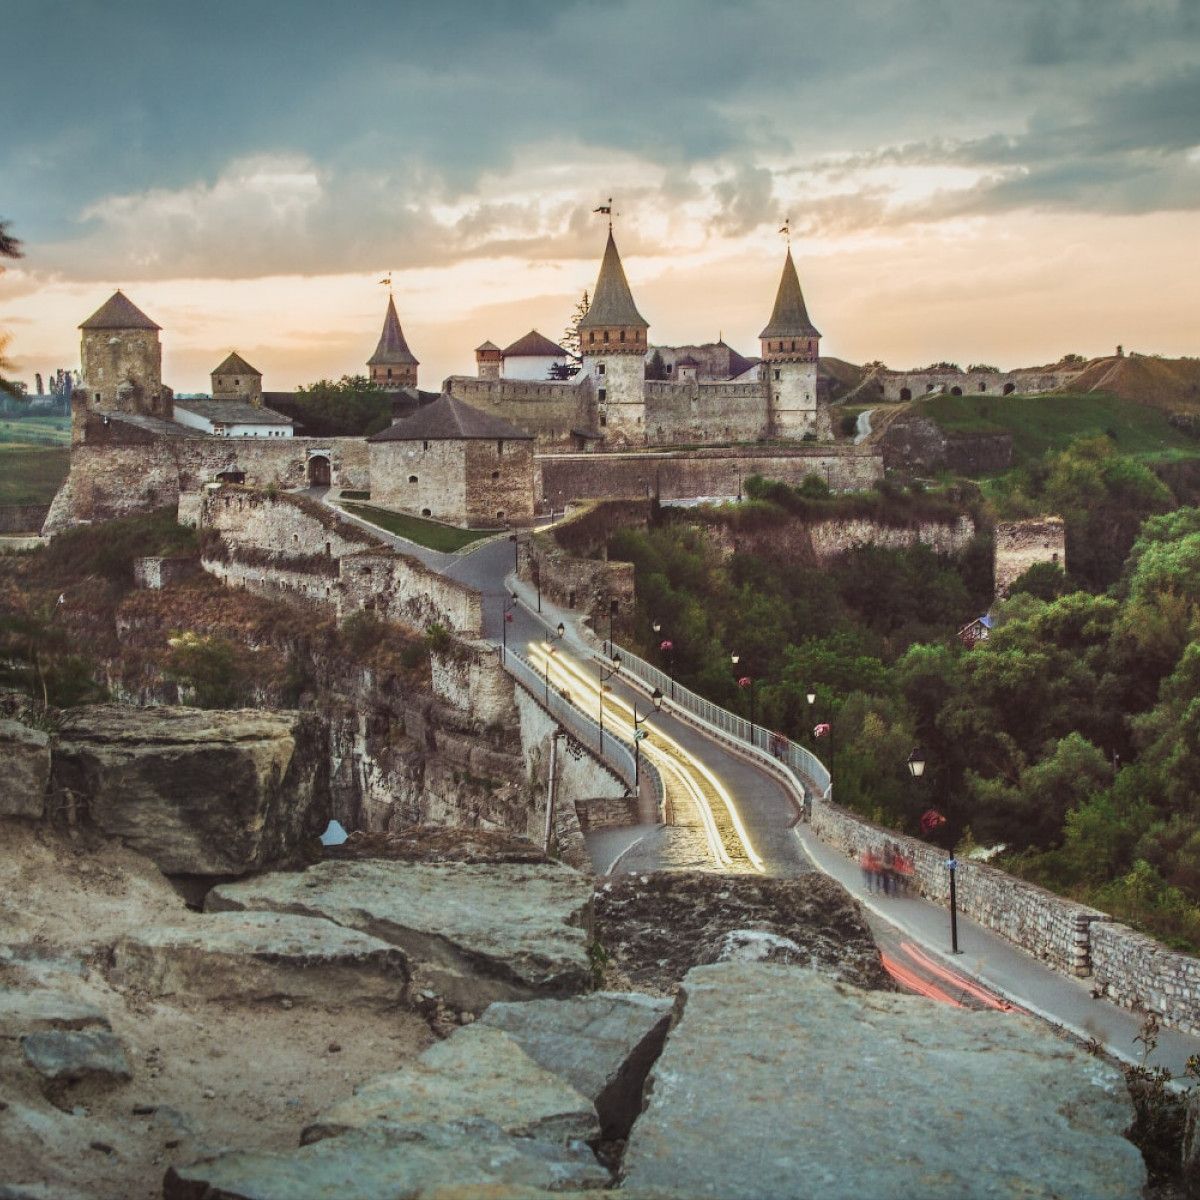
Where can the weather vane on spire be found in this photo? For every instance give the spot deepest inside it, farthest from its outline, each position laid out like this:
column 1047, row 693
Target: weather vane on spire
column 386, row 281
column 786, row 230
column 607, row 210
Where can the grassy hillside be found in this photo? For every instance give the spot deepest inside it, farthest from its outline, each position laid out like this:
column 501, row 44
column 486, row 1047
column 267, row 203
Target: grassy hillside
column 1172, row 384
column 1052, row 422
column 35, row 431
column 31, row 475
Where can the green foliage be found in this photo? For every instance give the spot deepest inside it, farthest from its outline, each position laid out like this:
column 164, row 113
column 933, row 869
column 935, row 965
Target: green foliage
column 1044, row 580
column 446, row 538
column 656, row 368
column 1160, row 1107
column 210, row 667
column 32, row 476
column 37, row 659
column 438, row 639
column 108, row 550
column 351, row 407
column 362, row 631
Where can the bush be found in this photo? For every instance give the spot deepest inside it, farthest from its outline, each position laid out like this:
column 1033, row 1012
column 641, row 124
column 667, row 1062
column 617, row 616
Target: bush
column 362, row 632
column 108, row 550
column 211, row 667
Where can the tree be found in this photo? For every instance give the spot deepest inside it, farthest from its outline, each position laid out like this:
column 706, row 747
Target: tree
column 351, row 407
column 656, row 368
column 571, row 341
column 10, row 247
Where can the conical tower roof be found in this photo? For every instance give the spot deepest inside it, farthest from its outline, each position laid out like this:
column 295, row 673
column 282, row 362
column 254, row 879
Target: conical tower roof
column 235, row 364
column 392, row 349
column 789, row 318
column 119, row 312
column 612, row 301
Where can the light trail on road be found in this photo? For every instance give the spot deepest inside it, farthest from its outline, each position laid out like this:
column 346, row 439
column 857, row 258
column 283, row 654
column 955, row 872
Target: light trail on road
column 672, row 759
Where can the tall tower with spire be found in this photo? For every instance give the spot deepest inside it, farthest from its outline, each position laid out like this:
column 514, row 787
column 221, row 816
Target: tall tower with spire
column 790, row 348
column 393, row 365
column 612, row 342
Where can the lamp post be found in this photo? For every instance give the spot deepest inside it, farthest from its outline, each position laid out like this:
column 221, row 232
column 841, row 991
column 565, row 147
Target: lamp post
column 823, row 728
column 605, row 676
column 612, row 612
column 916, row 768
column 667, row 647
column 535, row 568
column 512, row 537
column 744, row 682
column 505, row 618
column 549, row 654
column 638, row 733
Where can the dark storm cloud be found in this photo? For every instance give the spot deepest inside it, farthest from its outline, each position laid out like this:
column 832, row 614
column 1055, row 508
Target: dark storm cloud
column 245, row 138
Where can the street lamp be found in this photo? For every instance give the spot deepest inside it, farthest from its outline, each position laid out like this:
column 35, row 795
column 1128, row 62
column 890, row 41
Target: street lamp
column 639, row 733
column 505, row 617
column 823, row 728
column 916, row 768
column 612, row 612
column 667, row 647
column 512, row 537
column 744, row 682
column 550, row 652
column 605, row 676
column 916, row 763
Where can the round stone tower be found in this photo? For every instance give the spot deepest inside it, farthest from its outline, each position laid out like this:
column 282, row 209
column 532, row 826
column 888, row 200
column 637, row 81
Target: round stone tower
column 790, row 349
column 121, row 359
column 612, row 341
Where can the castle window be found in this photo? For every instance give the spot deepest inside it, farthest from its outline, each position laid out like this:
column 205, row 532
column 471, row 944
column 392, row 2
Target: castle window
column 603, row 420
column 602, row 395
column 599, row 371
column 777, row 374
column 499, row 446
column 412, row 479
column 592, row 337
column 426, row 512
column 389, row 372
column 499, row 514
column 97, row 397
column 622, row 335
column 606, row 335
column 424, row 445
column 237, row 383
column 793, row 343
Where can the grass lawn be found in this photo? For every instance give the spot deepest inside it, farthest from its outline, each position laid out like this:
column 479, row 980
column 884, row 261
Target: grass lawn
column 35, row 431
column 1041, row 423
column 31, row 474
column 446, row 538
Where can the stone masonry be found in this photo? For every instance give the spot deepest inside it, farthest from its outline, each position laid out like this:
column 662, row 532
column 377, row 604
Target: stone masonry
column 1021, row 544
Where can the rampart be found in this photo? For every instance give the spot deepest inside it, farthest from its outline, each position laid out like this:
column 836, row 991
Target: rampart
column 1022, row 544
column 1026, row 381
column 555, row 413
column 685, row 475
column 689, row 412
column 137, row 472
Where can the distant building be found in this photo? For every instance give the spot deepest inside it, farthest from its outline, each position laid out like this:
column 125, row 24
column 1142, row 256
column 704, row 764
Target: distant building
column 454, row 463
column 232, row 418
column 533, row 356
column 978, row 630
column 236, row 379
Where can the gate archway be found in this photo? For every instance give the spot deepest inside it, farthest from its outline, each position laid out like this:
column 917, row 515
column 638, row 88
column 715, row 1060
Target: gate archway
column 320, row 472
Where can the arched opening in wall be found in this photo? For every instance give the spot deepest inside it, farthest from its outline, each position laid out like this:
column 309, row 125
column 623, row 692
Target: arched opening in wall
column 571, row 598
column 929, row 387
column 231, row 476
column 499, row 514
column 427, row 512
column 906, row 393
column 320, row 474
column 956, row 391
column 1009, row 388
column 412, row 479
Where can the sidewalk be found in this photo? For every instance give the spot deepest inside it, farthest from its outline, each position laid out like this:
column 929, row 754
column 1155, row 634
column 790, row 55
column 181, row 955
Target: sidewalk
column 993, row 960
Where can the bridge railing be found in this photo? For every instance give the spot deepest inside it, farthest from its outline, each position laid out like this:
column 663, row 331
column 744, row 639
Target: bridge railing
column 805, row 765
column 606, row 745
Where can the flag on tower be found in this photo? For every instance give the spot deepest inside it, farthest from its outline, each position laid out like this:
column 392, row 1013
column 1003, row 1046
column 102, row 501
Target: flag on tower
column 604, row 208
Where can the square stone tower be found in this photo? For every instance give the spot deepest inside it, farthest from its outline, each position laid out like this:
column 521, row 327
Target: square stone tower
column 121, row 359
column 236, row 379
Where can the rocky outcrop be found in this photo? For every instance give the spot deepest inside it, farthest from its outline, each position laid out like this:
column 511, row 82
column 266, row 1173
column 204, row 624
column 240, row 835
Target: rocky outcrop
column 478, row 1072
column 470, row 933
column 603, row 1045
column 654, row 928
column 261, row 956
column 25, row 753
column 438, row 843
column 63, row 1057
column 777, row 1081
column 462, row 1159
column 199, row 792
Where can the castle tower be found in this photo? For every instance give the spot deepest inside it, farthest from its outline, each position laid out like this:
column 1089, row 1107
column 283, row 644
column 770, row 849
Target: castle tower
column 121, row 359
column 392, row 366
column 790, row 346
column 236, row 379
column 612, row 340
column 488, row 358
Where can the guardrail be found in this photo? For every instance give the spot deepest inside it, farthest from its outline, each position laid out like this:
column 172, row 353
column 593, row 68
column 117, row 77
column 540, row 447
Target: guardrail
column 607, row 746
column 800, row 761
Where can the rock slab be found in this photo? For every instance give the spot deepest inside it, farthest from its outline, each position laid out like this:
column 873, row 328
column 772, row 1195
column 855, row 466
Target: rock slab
column 472, row 933
column 25, row 755
column 603, row 1045
column 254, row 956
column 462, row 1159
column 777, row 1081
column 477, row 1072
column 199, row 792
column 70, row 1056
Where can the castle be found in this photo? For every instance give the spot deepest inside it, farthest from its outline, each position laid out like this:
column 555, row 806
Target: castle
column 137, row 445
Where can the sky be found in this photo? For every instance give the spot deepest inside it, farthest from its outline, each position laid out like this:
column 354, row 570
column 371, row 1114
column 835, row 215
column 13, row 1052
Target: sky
column 999, row 182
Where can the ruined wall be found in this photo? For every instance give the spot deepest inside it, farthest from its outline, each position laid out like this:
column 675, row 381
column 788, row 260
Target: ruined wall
column 1021, row 544
column 158, row 573
column 912, row 385
column 282, row 524
column 122, row 477
column 916, row 443
column 675, row 475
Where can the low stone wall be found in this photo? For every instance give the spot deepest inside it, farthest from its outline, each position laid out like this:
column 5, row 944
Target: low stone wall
column 1045, row 925
column 157, row 573
column 1137, row 972
column 23, row 518
column 606, row 812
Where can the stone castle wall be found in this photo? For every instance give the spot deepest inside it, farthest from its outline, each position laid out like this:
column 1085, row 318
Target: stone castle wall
column 913, row 442
column 674, row 475
column 1021, row 544
column 550, row 411
column 1137, row 972
column 121, row 477
column 691, row 412
column 426, row 478
column 23, row 518
column 912, row 385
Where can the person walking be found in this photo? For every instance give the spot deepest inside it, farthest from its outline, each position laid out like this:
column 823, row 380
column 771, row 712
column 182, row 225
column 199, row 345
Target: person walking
column 889, row 869
column 870, row 869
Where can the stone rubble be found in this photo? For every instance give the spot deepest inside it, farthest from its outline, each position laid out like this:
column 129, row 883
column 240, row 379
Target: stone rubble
column 25, row 753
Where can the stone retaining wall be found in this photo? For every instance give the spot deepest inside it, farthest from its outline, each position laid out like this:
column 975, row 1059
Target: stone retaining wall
column 600, row 812
column 1137, row 972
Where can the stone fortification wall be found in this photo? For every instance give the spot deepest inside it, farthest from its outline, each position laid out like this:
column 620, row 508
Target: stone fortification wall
column 915, row 443
column 119, row 478
column 157, row 573
column 23, row 518
column 912, row 385
column 1047, row 926
column 684, row 475
column 550, row 411
column 1137, row 972
column 290, row 546
column 690, row 412
column 1021, row 544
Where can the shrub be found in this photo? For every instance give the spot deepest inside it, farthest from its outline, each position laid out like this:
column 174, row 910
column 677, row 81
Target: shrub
column 362, row 632
column 210, row 666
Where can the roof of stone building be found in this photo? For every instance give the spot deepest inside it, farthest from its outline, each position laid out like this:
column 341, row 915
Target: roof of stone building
column 233, row 412
column 488, row 346
column 612, row 301
column 235, row 364
column 449, row 419
column 392, row 349
column 789, row 318
column 534, row 345
column 119, row 312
